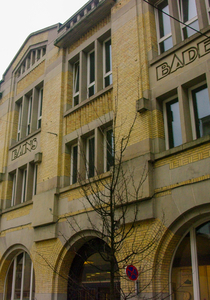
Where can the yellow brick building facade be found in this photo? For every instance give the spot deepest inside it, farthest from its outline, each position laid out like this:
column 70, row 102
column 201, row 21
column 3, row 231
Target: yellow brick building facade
column 68, row 99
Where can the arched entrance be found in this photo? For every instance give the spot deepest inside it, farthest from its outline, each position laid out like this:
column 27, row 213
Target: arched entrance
column 190, row 275
column 89, row 276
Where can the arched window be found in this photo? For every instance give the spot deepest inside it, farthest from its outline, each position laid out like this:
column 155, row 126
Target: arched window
column 191, row 265
column 89, row 276
column 20, row 281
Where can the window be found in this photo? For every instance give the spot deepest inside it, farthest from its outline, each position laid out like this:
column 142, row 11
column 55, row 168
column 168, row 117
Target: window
column 20, row 280
column 13, row 189
column 19, row 121
column 28, row 127
column 172, row 123
column 35, row 179
column 107, row 63
column 23, row 193
column 91, row 73
column 208, row 7
column 190, row 274
column 39, row 118
column 188, row 13
column 109, row 150
column 200, row 111
column 90, row 157
column 74, row 163
column 164, row 27
column 76, row 84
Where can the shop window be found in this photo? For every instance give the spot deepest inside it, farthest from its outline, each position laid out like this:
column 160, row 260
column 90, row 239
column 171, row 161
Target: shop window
column 109, row 149
column 190, row 274
column 90, row 157
column 76, row 84
column 164, row 27
column 107, row 63
column 200, row 111
column 20, row 280
column 91, row 73
column 172, row 123
column 188, row 15
column 74, row 164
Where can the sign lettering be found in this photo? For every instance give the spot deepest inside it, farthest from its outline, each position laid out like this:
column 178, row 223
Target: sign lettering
column 24, row 148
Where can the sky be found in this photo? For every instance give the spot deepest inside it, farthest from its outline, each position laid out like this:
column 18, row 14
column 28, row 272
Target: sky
column 19, row 18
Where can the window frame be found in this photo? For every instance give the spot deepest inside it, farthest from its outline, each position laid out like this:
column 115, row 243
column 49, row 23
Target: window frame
column 92, row 84
column 165, row 117
column 158, row 26
column 109, row 73
column 189, row 22
column 192, row 109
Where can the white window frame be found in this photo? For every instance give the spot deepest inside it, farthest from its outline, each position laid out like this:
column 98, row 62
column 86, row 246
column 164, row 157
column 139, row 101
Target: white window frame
column 189, row 22
column 76, row 76
column 19, row 121
column 192, row 113
column 109, row 73
column 14, row 261
column 73, row 163
column 165, row 117
column 105, row 147
column 90, row 84
column 40, row 103
column 24, row 184
column 87, row 156
column 28, row 127
column 165, row 37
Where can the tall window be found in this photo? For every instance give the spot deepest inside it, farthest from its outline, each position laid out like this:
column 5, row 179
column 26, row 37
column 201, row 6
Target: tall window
column 19, row 121
column 13, row 189
column 172, row 123
column 39, row 117
column 188, row 12
column 23, row 194
column 76, row 84
column 201, row 111
column 90, row 157
column 109, row 149
column 20, row 280
column 107, row 63
column 191, row 265
column 91, row 73
column 74, row 163
column 28, row 127
column 164, row 27
column 35, row 180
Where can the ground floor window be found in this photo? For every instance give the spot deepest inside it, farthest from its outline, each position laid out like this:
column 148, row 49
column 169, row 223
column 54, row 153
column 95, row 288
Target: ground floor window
column 89, row 276
column 191, row 266
column 20, row 281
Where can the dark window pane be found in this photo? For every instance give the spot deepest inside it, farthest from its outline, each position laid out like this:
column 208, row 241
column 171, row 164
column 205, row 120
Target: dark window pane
column 166, row 45
column 76, row 78
column 164, row 20
column 91, row 157
column 108, row 80
column 189, row 10
column 74, row 165
column 91, row 91
column 188, row 31
column 76, row 100
column 92, row 67
column 201, row 111
column 108, row 53
column 109, row 149
column 174, row 125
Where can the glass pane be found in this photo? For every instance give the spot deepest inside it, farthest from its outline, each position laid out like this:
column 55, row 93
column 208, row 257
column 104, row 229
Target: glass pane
column 27, row 277
column 109, row 149
column 203, row 252
column 91, row 91
column 108, row 57
column 164, row 20
column 182, row 284
column 9, row 282
column 188, row 31
column 189, row 10
column 166, row 44
column 74, row 166
column 201, row 111
column 18, row 277
column 76, row 100
column 92, row 67
column 91, row 157
column 76, row 77
column 108, row 80
column 174, row 125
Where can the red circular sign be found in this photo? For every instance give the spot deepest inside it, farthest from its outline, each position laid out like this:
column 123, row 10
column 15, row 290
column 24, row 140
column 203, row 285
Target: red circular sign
column 132, row 272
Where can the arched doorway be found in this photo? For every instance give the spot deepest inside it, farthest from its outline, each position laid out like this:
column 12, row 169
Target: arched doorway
column 20, row 279
column 190, row 276
column 89, row 276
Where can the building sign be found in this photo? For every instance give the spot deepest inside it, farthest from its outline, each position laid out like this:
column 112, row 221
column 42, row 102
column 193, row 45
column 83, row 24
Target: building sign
column 24, row 148
column 186, row 57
